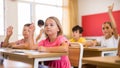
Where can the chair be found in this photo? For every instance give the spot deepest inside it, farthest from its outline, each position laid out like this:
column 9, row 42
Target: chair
column 76, row 54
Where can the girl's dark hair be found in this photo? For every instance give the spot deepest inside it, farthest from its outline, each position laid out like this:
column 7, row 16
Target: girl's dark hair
column 77, row 27
column 40, row 22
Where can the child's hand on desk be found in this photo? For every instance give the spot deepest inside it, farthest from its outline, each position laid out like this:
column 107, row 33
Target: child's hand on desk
column 91, row 43
column 41, row 48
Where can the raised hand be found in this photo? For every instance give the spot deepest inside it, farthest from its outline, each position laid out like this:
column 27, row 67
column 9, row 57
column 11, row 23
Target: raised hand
column 113, row 22
column 110, row 8
column 32, row 27
column 9, row 31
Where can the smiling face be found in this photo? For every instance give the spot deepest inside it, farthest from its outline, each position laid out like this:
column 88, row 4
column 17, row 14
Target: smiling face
column 51, row 27
column 107, row 30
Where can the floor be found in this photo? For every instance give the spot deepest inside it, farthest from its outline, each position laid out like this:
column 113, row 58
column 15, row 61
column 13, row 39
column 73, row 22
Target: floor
column 14, row 64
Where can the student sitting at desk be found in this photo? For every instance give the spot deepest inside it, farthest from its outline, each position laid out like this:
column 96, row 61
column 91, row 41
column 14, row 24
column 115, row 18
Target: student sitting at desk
column 110, row 38
column 77, row 36
column 21, row 44
column 55, row 42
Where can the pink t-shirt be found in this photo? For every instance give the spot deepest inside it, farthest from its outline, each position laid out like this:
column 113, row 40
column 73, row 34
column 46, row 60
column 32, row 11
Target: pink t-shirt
column 64, row 61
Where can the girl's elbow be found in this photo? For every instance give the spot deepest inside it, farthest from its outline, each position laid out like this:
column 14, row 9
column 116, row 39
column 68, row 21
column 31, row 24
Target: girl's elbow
column 65, row 49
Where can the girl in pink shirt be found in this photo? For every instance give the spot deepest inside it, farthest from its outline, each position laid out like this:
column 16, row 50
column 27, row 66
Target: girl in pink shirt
column 55, row 42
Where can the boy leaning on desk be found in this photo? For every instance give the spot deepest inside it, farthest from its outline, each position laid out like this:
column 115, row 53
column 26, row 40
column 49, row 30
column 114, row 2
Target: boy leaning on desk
column 19, row 44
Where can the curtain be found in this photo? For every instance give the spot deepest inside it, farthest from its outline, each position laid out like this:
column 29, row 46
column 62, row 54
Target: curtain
column 70, row 16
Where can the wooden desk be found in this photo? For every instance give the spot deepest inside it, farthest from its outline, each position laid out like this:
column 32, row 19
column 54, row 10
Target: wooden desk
column 103, row 62
column 92, row 51
column 88, row 52
column 97, row 51
column 30, row 56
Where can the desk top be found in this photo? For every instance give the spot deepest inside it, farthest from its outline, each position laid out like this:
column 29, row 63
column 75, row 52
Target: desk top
column 96, row 48
column 30, row 53
column 100, row 49
column 107, row 61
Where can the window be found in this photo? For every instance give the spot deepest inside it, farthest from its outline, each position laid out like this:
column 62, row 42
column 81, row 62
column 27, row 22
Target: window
column 50, row 2
column 1, row 17
column 24, row 16
column 42, row 12
column 37, row 9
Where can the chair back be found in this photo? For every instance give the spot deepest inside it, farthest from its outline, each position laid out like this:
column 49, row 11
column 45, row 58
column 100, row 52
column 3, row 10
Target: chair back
column 76, row 54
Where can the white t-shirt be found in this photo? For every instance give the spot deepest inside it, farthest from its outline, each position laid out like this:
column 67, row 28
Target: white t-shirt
column 110, row 43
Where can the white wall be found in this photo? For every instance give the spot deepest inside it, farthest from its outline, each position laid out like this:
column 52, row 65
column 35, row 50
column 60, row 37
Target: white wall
column 10, row 18
column 87, row 7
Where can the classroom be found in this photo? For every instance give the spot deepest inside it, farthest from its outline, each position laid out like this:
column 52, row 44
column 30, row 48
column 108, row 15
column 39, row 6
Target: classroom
column 19, row 26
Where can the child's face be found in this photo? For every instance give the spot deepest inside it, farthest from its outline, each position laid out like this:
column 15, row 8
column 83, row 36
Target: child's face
column 107, row 30
column 51, row 27
column 76, row 34
column 26, row 31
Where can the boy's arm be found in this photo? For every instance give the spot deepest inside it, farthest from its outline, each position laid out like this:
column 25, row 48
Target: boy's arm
column 20, row 46
column 31, row 44
column 92, row 43
column 110, row 8
column 6, row 42
column 8, row 35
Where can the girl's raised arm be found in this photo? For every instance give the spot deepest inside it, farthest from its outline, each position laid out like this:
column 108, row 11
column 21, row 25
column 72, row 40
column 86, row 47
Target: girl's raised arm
column 115, row 33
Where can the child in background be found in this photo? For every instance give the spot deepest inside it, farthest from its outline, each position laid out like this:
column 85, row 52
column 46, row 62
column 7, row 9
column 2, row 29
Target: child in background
column 110, row 38
column 41, row 35
column 55, row 42
column 77, row 35
column 21, row 44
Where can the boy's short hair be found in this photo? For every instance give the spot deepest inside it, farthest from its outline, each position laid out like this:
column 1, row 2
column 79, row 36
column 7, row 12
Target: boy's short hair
column 77, row 27
column 40, row 22
column 28, row 24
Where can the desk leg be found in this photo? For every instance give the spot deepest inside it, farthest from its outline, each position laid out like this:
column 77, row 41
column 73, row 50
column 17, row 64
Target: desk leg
column 36, row 63
column 37, row 60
